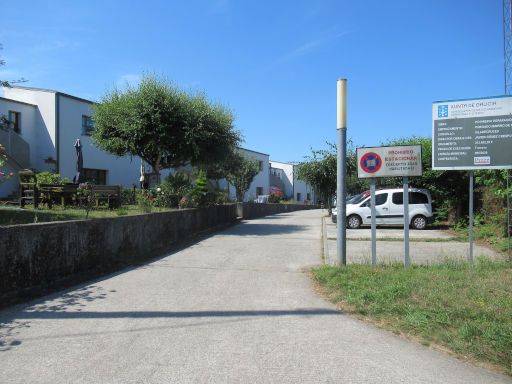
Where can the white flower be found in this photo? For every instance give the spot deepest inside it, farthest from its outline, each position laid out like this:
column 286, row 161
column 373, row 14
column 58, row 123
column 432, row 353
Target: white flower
column 159, row 189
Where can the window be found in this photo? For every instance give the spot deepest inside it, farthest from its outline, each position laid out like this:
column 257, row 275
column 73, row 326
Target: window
column 298, row 196
column 308, row 196
column 379, row 200
column 95, row 176
column 87, row 125
column 261, row 165
column 418, row 198
column 259, row 191
column 398, row 198
column 414, row 198
column 15, row 121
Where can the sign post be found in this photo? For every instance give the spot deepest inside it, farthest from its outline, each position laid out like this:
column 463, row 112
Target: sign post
column 471, row 220
column 402, row 161
column 407, row 260
column 341, row 190
column 472, row 134
column 374, row 221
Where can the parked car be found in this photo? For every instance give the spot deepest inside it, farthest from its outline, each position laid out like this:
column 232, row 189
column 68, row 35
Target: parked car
column 389, row 208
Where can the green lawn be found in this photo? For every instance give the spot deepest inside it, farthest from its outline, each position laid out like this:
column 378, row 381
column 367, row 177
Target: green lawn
column 445, row 305
column 12, row 216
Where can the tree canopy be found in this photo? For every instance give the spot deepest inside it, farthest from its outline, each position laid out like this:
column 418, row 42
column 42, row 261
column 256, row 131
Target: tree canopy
column 319, row 170
column 164, row 125
column 240, row 171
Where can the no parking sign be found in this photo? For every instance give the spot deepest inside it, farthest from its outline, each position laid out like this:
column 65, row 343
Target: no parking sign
column 401, row 160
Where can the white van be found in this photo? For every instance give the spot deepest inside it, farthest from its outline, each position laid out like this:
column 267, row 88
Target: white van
column 389, row 208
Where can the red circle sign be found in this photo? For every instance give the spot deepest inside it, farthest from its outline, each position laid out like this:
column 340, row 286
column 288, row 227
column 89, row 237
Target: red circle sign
column 371, row 162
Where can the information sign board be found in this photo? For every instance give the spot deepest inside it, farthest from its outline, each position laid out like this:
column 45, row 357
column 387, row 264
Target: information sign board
column 472, row 134
column 401, row 160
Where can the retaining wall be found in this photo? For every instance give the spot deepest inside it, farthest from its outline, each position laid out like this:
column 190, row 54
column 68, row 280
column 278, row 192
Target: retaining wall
column 254, row 210
column 39, row 255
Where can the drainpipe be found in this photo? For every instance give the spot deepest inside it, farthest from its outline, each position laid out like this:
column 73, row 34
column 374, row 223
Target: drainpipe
column 57, row 132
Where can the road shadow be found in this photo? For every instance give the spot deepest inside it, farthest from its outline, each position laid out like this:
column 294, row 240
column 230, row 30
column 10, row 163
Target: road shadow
column 51, row 314
column 263, row 229
column 13, row 322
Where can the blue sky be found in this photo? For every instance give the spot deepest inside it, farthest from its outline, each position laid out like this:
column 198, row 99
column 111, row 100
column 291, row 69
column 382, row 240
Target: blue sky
column 274, row 63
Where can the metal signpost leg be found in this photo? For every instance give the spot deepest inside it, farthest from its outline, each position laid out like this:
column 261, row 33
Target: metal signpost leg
column 374, row 223
column 407, row 261
column 341, row 226
column 471, row 263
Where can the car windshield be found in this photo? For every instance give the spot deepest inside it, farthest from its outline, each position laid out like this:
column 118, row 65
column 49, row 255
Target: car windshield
column 358, row 198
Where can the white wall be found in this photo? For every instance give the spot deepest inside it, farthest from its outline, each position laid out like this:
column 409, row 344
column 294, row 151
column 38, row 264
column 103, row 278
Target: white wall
column 287, row 177
column 260, row 180
column 23, row 160
column 120, row 170
column 42, row 139
column 294, row 185
column 303, row 188
column 27, row 123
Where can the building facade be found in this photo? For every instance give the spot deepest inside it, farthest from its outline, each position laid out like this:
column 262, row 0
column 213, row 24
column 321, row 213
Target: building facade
column 284, row 175
column 48, row 124
column 44, row 125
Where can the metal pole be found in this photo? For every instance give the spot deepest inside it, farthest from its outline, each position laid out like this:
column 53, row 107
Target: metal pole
column 407, row 260
column 471, row 263
column 374, row 221
column 341, row 226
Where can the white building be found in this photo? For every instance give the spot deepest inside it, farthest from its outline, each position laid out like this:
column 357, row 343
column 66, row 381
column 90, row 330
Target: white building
column 260, row 184
column 46, row 125
column 284, row 176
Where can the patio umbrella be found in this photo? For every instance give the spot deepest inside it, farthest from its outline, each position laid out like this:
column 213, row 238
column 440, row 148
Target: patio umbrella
column 142, row 178
column 79, row 176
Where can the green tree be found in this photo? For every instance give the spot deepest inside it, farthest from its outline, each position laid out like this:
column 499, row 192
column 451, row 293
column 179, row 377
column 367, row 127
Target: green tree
column 240, row 171
column 7, row 83
column 449, row 189
column 164, row 125
column 319, row 170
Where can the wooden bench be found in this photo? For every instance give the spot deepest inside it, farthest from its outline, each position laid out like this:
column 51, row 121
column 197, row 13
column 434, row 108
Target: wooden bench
column 109, row 193
column 65, row 193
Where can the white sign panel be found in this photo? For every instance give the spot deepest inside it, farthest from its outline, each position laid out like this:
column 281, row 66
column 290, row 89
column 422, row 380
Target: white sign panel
column 401, row 160
column 472, row 134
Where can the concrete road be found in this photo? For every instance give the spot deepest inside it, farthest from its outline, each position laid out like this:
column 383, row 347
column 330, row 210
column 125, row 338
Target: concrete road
column 384, row 232
column 237, row 307
column 425, row 247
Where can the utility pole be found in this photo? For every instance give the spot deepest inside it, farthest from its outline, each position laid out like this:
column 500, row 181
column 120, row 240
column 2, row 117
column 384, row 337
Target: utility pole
column 341, row 207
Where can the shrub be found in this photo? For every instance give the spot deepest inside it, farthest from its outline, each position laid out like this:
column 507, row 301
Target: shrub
column 274, row 198
column 128, row 196
column 145, row 201
column 51, row 178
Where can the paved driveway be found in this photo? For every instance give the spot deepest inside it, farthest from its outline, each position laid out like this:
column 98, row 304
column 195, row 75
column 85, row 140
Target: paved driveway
column 236, row 307
column 426, row 246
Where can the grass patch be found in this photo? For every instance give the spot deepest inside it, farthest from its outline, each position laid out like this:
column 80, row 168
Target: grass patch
column 489, row 233
column 446, row 304
column 14, row 216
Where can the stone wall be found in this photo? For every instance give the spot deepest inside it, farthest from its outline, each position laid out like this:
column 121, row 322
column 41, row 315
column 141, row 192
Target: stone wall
column 254, row 210
column 39, row 255
column 34, row 255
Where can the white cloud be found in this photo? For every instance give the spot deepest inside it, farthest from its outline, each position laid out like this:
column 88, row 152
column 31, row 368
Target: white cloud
column 128, row 79
column 55, row 45
column 310, row 46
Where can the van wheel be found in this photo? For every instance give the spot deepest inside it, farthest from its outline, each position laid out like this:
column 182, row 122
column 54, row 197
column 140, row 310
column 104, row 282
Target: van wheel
column 419, row 222
column 353, row 222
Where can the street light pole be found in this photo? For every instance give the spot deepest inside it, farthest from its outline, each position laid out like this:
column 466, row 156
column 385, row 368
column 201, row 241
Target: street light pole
column 341, row 190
